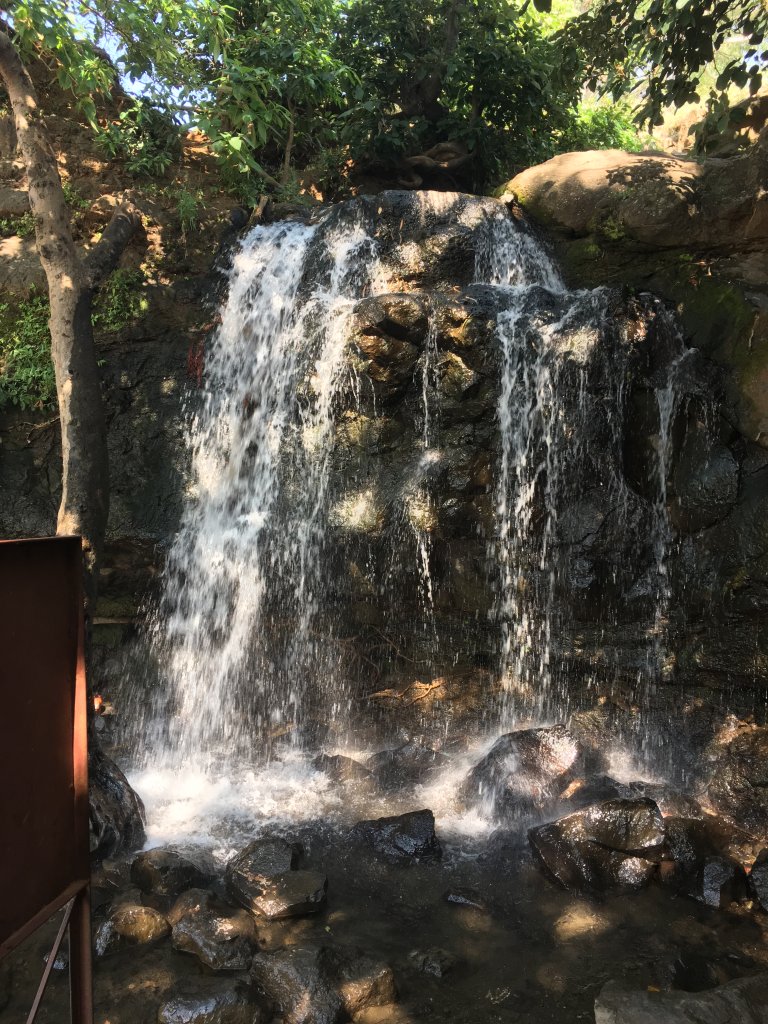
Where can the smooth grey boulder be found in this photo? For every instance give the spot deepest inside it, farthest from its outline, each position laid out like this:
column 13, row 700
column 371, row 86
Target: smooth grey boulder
column 211, row 1000
column 292, row 894
column 248, row 872
column 744, row 1001
column 293, row 981
column 221, row 938
column 404, row 838
column 166, row 873
column 129, row 925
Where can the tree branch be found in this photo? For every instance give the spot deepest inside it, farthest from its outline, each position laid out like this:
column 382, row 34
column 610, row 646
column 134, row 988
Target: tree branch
column 105, row 255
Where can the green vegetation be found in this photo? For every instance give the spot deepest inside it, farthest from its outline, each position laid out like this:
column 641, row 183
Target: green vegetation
column 26, row 371
column 119, row 301
column 23, row 226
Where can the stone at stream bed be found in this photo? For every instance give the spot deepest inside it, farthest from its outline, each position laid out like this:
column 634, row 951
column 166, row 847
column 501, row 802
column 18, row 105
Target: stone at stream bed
column 165, row 873
column 744, row 1001
column 718, row 883
column 220, row 937
column 360, row 980
column 248, row 871
column 343, row 769
column 292, row 894
column 434, row 961
column 408, row 765
column 469, row 899
column 404, row 838
column 293, row 981
column 524, row 770
column 738, row 779
column 671, row 802
column 217, row 1000
column 129, row 925
column 613, row 845
column 687, row 846
column 758, row 879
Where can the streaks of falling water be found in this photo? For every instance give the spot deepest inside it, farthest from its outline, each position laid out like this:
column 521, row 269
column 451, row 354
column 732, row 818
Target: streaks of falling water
column 236, row 566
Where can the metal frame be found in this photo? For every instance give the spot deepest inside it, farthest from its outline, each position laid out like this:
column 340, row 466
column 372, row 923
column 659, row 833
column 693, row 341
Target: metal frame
column 43, row 696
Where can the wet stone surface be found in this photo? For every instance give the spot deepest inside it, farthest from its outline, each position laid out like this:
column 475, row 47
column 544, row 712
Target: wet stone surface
column 217, row 1000
column 128, row 925
column 221, row 938
column 166, row 873
column 404, row 838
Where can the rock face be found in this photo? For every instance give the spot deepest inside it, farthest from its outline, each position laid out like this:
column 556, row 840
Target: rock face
column 613, row 845
column 738, row 781
column 758, row 879
column 116, row 812
column 404, row 839
column 744, row 1000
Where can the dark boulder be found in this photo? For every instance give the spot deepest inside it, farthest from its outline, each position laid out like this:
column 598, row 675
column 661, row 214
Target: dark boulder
column 404, row 838
column 292, row 894
column 408, row 765
column 613, row 845
column 248, row 871
column 129, row 925
column 212, row 1000
column 434, row 961
column 688, row 844
column 191, row 900
column 524, row 770
column 671, row 802
column 737, row 784
column 718, row 883
column 758, row 879
column 221, row 938
column 116, row 812
column 343, row 770
column 294, row 983
column 165, row 873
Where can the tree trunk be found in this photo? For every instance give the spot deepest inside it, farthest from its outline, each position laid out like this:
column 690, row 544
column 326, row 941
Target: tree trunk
column 85, row 471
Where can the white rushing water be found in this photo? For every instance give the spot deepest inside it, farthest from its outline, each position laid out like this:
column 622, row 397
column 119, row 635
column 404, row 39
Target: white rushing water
column 234, row 632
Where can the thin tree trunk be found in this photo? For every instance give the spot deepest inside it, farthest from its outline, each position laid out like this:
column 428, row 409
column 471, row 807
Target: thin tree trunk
column 85, row 471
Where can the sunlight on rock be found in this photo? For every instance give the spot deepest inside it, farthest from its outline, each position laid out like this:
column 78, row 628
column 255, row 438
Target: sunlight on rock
column 579, row 920
column 359, row 513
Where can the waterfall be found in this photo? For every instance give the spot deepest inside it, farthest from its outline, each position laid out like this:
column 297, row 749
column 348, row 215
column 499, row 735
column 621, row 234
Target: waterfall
column 250, row 628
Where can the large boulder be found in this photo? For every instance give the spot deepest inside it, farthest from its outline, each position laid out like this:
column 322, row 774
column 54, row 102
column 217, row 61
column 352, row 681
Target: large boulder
column 291, row 894
column 613, row 845
column 744, row 1001
column 216, row 1000
column 408, row 765
column 249, row 872
column 293, row 981
column 129, row 925
column 737, row 781
column 116, row 811
column 221, row 938
column 166, row 873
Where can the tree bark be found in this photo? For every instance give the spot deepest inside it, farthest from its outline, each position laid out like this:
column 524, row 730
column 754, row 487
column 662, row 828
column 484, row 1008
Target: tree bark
column 85, row 471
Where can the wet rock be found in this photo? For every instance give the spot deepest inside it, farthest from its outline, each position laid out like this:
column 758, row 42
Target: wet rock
column 524, row 770
column 738, row 779
column 671, row 802
column 408, row 765
column 116, row 812
column 687, row 846
column 360, row 980
column 758, row 879
column 293, row 981
column 434, row 961
column 165, row 873
column 211, row 1001
column 719, row 882
column 129, row 925
column 613, row 845
column 248, row 872
column 193, row 899
column 470, row 899
column 343, row 769
column 220, row 937
column 399, row 316
column 404, row 838
column 744, row 1001
column 292, row 894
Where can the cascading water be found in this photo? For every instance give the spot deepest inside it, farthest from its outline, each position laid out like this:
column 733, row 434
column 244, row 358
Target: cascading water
column 252, row 616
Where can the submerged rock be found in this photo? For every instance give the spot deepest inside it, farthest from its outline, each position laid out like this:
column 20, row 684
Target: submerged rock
column 165, row 873
column 744, row 1001
column 404, row 838
column 214, row 1000
column 524, row 770
column 129, row 925
column 221, row 938
column 434, row 961
column 291, row 894
column 249, row 871
column 613, row 845
column 360, row 980
column 293, row 981
column 470, row 899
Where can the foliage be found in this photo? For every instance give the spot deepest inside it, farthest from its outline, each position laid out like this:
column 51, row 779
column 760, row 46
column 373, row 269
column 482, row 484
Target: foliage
column 23, row 226
column 26, row 370
column 119, row 301
column 73, row 198
column 663, row 48
column 145, row 137
column 605, row 126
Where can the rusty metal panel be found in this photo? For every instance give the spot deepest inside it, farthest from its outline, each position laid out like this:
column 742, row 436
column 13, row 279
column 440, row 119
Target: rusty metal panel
column 44, row 857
